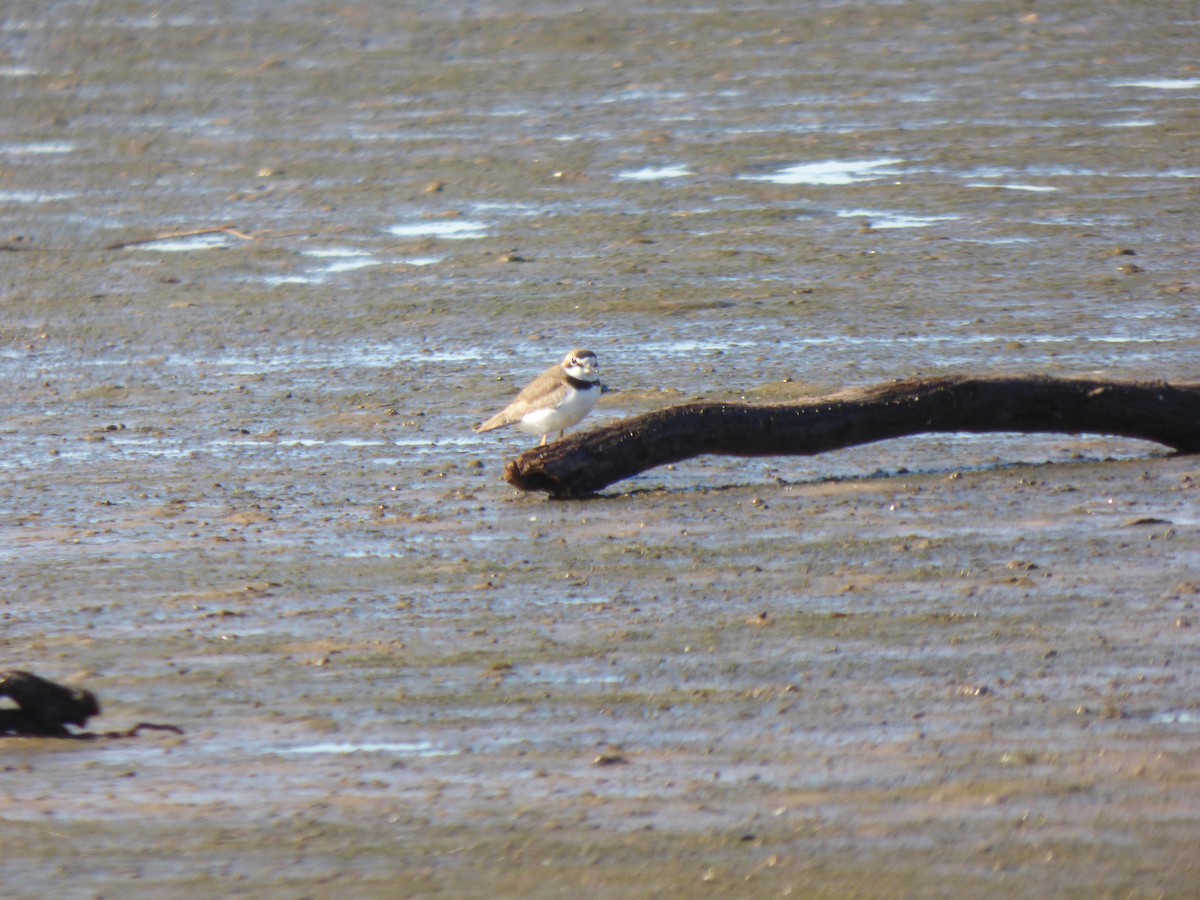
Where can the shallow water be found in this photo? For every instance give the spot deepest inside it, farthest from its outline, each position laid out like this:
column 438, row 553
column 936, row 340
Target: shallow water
column 241, row 491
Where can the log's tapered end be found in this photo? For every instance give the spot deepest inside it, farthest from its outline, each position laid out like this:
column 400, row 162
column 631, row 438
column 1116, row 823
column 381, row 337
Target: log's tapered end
column 525, row 478
column 527, row 474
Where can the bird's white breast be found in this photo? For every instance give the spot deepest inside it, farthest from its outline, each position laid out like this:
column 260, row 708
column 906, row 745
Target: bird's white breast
column 573, row 407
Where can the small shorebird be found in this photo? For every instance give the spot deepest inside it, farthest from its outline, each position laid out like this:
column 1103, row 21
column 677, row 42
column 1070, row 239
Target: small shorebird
column 555, row 400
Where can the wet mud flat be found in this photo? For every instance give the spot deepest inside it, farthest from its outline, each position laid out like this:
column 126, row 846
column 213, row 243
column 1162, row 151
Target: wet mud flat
column 241, row 493
column 829, row 687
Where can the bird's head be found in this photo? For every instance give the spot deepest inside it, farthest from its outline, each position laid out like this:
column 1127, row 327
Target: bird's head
column 582, row 364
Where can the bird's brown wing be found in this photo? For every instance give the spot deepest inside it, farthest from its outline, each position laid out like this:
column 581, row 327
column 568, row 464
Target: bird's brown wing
column 547, row 389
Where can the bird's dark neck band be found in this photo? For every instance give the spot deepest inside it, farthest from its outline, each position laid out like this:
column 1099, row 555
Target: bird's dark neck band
column 579, row 384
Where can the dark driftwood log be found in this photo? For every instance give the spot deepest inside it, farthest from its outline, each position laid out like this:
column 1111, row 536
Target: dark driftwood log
column 583, row 464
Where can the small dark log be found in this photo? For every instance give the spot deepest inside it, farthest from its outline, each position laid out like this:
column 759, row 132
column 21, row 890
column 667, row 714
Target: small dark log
column 584, row 463
column 44, row 708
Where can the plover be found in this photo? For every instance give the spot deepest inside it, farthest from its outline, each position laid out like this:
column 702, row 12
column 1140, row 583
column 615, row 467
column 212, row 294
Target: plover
column 555, row 400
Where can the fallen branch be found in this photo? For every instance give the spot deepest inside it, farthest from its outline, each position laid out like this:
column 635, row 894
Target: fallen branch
column 171, row 235
column 128, row 732
column 584, row 463
column 45, row 709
